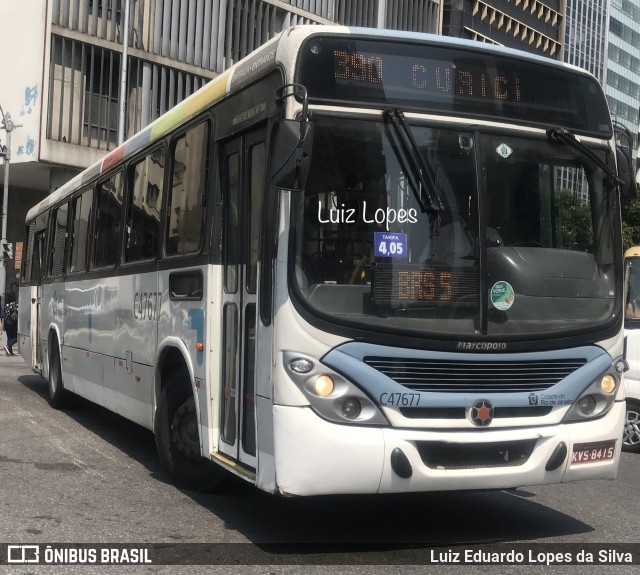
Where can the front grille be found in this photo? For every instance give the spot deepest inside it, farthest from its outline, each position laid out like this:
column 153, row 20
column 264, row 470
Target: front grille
column 459, row 412
column 438, row 455
column 475, row 376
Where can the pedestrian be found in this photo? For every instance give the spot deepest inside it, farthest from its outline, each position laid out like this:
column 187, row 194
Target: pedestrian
column 11, row 326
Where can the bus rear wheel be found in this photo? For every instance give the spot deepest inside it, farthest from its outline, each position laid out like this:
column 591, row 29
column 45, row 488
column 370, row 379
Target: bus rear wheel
column 178, row 441
column 57, row 394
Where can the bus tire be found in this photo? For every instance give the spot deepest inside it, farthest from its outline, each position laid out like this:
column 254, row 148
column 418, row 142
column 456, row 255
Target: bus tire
column 57, row 394
column 177, row 439
column 631, row 439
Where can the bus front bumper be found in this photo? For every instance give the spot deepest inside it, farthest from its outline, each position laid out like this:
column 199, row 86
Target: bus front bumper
column 316, row 457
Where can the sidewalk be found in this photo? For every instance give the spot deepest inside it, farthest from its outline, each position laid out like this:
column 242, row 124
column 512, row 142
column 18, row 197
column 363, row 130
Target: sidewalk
column 9, row 360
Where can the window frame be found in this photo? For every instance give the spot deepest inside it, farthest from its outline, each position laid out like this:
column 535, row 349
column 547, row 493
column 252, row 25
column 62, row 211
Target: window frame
column 128, row 196
column 199, row 120
column 91, row 189
column 120, row 169
column 53, row 213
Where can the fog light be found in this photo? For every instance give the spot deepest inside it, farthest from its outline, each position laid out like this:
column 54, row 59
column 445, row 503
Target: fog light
column 323, row 385
column 300, row 365
column 608, row 384
column 587, row 404
column 351, row 408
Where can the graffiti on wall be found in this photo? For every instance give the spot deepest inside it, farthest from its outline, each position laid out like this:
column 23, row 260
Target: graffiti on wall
column 28, row 148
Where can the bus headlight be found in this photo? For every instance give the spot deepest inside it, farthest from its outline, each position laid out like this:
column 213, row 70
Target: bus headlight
column 331, row 395
column 608, row 384
column 594, row 401
column 323, row 385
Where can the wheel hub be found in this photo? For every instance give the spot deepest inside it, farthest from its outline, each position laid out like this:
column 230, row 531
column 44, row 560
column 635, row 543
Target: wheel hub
column 632, row 428
column 184, row 430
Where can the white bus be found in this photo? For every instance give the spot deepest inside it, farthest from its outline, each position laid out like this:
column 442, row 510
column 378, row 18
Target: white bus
column 350, row 264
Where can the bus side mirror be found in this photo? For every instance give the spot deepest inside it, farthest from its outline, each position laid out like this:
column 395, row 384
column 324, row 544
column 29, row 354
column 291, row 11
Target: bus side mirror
column 292, row 155
column 625, row 173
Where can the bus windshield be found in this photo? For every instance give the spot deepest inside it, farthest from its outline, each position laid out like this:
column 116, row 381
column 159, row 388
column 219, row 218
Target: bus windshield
column 523, row 243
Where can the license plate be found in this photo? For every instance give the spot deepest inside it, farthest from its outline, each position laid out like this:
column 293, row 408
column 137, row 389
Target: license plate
column 590, row 452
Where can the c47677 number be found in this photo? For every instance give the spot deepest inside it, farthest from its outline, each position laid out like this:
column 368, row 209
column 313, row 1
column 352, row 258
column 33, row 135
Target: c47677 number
column 400, row 399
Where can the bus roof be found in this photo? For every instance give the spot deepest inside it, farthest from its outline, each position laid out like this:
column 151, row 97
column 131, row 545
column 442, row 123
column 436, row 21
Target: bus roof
column 283, row 50
column 633, row 252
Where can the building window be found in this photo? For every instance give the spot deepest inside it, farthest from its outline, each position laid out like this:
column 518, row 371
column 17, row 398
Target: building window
column 110, row 5
column 101, row 96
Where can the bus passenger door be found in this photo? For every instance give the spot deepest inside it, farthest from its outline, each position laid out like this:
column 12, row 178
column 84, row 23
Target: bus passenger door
column 37, row 272
column 243, row 170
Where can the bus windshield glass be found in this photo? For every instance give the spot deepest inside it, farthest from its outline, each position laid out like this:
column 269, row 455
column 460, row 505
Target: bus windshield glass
column 511, row 252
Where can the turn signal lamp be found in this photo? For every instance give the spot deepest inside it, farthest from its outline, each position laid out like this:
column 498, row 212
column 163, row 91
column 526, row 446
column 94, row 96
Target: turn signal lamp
column 301, row 365
column 323, row 385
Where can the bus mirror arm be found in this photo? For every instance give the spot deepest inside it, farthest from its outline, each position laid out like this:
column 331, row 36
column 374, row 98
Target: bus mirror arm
column 624, row 161
column 291, row 155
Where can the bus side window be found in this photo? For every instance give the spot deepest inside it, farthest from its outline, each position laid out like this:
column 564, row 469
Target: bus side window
column 146, row 182
column 28, row 254
column 58, row 241
column 38, row 256
column 188, row 186
column 108, row 232
column 81, row 218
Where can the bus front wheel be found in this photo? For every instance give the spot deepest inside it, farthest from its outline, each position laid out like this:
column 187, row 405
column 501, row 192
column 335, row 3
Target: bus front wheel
column 178, row 441
column 631, row 440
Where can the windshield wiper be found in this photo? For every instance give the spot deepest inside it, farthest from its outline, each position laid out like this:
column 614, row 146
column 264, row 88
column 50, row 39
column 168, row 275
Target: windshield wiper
column 418, row 174
column 564, row 136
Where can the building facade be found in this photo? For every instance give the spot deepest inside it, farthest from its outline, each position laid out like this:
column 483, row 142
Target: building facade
column 529, row 25
column 586, row 47
column 623, row 63
column 62, row 86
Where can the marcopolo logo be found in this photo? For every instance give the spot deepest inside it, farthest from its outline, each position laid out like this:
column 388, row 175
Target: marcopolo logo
column 502, row 295
column 481, row 345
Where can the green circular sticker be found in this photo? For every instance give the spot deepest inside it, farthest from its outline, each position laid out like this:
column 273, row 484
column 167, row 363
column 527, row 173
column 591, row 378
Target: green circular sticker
column 502, row 295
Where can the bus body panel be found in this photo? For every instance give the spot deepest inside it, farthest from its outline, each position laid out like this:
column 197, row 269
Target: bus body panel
column 314, row 457
column 25, row 313
column 345, row 460
column 181, row 326
column 632, row 376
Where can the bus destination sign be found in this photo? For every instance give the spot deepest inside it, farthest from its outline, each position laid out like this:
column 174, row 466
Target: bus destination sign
column 450, row 80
